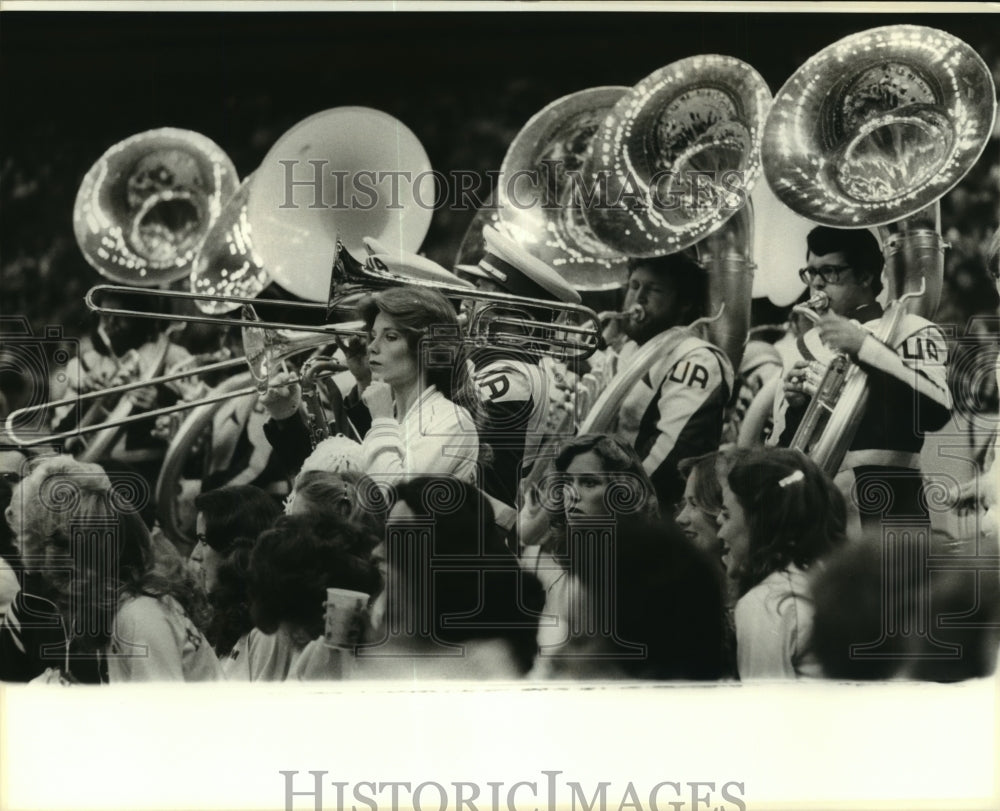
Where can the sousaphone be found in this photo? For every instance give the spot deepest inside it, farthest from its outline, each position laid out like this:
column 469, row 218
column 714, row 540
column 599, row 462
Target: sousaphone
column 542, row 189
column 873, row 131
column 144, row 208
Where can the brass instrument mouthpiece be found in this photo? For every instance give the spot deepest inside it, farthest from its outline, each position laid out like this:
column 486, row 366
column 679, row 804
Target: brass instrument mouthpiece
column 814, row 307
column 633, row 313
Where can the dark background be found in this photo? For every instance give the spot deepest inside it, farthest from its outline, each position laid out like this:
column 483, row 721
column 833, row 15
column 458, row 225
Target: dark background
column 76, row 83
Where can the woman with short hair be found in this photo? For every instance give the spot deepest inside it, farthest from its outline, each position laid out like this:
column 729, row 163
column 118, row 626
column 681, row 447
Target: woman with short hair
column 118, row 591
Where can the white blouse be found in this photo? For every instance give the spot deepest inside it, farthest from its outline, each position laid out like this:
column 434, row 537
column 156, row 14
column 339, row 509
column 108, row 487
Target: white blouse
column 436, row 437
column 774, row 628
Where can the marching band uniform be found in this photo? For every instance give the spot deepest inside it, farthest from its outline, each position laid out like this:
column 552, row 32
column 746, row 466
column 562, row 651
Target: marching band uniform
column 136, row 445
column 512, row 386
column 908, row 396
column 676, row 411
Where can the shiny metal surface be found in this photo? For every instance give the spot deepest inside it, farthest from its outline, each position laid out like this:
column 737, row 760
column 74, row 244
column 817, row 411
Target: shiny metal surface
column 540, row 186
column 878, row 125
column 227, row 264
column 678, row 155
column 144, row 208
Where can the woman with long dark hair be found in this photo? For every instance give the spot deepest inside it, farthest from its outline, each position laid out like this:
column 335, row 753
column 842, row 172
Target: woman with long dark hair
column 225, row 515
column 662, row 596
column 229, row 519
column 780, row 515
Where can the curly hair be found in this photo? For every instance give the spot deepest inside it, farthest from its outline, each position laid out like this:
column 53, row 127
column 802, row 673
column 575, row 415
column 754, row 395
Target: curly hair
column 236, row 511
column 795, row 514
column 93, row 550
column 230, row 598
column 336, row 496
column 294, row 563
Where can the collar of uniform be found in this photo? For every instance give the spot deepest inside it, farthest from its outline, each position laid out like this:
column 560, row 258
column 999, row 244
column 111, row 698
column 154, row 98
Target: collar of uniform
column 867, row 312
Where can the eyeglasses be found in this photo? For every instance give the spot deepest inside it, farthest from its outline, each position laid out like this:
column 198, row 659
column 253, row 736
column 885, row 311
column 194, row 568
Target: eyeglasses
column 831, row 274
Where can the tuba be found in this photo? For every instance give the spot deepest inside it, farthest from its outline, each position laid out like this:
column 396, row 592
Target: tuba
column 873, row 131
column 542, row 190
column 670, row 167
column 145, row 207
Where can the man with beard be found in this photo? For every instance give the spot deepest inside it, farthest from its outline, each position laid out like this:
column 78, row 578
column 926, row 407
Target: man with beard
column 677, row 409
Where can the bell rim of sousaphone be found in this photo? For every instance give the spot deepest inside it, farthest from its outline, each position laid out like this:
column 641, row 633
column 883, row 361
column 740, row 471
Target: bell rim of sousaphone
column 657, row 227
column 549, row 232
column 210, row 277
column 802, row 146
column 106, row 243
column 297, row 243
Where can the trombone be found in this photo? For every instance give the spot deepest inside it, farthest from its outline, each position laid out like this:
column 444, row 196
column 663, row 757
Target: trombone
column 275, row 354
column 124, row 291
column 499, row 318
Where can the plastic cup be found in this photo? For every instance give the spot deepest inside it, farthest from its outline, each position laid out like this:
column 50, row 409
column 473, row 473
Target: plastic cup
column 343, row 608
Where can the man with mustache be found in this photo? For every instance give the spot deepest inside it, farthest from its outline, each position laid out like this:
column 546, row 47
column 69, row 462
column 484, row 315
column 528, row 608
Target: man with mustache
column 677, row 410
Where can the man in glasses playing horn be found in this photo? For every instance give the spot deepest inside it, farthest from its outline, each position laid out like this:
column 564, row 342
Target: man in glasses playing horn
column 908, row 390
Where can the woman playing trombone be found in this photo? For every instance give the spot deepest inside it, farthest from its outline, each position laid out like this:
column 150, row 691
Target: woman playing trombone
column 417, row 397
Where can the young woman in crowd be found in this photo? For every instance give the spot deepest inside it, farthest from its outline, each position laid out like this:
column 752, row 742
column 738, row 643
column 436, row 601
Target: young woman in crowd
column 680, row 634
column 224, row 516
column 419, row 398
column 457, row 604
column 291, row 567
column 780, row 515
column 699, row 508
column 118, row 593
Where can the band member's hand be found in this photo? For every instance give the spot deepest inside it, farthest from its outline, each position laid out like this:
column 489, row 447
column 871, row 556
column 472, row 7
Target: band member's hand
column 378, row 397
column 144, row 398
column 613, row 335
column 283, row 396
column 841, row 334
column 356, row 357
column 94, row 380
column 166, row 427
column 798, row 384
column 129, row 368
